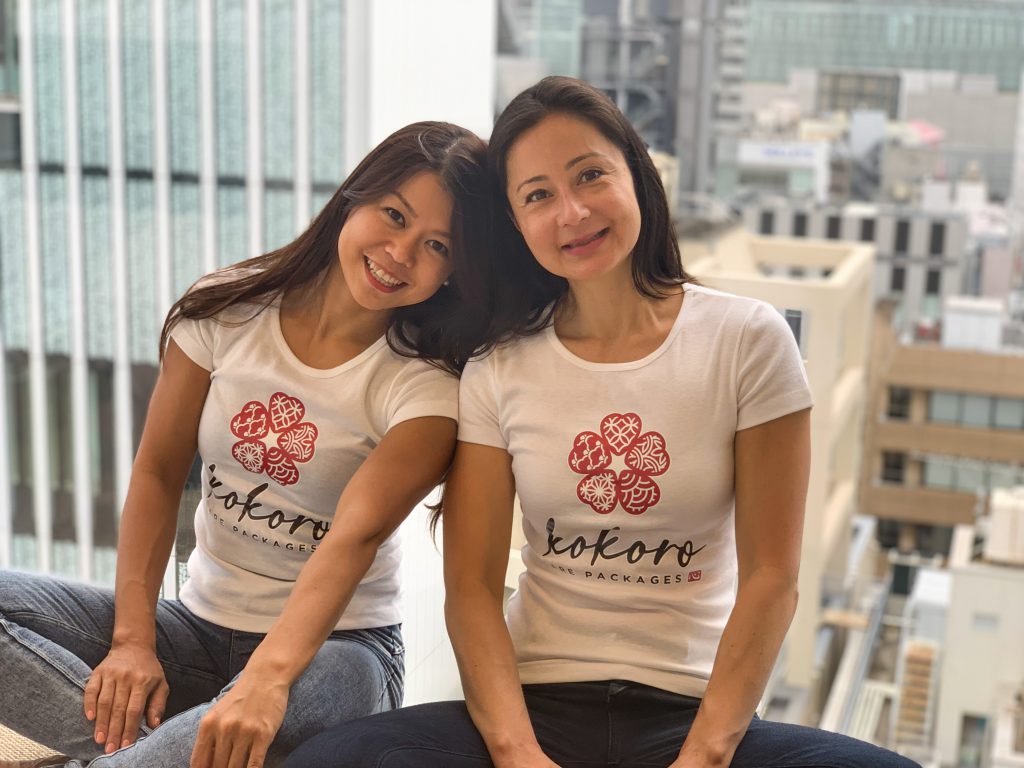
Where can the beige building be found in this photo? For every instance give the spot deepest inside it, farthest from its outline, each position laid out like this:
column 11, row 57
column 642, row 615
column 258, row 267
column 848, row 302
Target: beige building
column 945, row 426
column 824, row 290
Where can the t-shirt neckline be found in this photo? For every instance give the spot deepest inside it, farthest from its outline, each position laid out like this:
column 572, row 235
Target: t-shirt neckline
column 274, row 318
column 628, row 365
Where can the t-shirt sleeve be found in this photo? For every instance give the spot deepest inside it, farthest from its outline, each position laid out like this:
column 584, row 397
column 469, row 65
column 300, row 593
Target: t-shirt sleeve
column 772, row 381
column 420, row 389
column 478, row 405
column 196, row 339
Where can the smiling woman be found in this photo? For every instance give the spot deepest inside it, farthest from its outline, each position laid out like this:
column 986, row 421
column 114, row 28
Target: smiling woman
column 303, row 377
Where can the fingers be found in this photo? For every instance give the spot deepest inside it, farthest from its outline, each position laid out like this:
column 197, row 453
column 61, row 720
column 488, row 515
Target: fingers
column 92, row 689
column 243, row 746
column 132, row 718
column 118, row 717
column 157, row 704
column 104, row 703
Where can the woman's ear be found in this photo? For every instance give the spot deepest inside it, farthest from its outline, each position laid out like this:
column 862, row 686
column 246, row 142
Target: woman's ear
column 512, row 218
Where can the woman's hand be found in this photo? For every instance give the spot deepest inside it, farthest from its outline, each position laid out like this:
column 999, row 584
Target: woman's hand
column 126, row 684
column 238, row 729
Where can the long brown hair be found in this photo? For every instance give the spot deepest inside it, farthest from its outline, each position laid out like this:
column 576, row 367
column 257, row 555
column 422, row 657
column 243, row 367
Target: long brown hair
column 442, row 329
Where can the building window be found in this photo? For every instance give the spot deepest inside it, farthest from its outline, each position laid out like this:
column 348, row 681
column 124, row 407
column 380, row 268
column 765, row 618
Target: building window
column 767, row 222
column 901, row 243
column 937, row 238
column 977, row 411
column 893, row 466
column 867, row 230
column 832, row 227
column 944, row 407
column 899, row 403
column 939, row 473
column 1008, row 413
column 898, row 279
column 799, row 225
column 933, row 282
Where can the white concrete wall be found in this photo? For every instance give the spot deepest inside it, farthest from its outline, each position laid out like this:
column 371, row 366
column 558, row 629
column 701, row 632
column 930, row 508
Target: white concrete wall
column 985, row 638
column 409, row 60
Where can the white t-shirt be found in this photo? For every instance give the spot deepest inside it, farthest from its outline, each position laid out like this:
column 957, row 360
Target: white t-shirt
column 625, row 475
column 278, row 441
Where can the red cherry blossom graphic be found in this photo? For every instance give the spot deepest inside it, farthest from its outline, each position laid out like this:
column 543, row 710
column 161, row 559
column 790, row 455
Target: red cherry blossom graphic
column 280, row 421
column 631, row 485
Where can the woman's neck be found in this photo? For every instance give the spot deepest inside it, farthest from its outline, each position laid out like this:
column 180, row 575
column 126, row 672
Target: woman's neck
column 614, row 323
column 323, row 323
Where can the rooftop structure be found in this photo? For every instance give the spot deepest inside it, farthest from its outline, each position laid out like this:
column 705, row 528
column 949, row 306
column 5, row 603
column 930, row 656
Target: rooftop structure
column 824, row 291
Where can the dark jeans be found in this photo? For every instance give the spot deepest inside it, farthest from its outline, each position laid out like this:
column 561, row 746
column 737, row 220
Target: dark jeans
column 578, row 725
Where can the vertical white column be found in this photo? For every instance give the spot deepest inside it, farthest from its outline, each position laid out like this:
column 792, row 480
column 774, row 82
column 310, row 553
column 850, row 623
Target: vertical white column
column 162, row 191
column 358, row 81
column 6, row 515
column 42, row 505
column 119, row 260
column 161, row 159
column 207, row 140
column 303, row 183
column 80, row 450
column 254, row 134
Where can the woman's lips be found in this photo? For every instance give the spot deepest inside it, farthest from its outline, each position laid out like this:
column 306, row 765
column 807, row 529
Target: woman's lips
column 585, row 243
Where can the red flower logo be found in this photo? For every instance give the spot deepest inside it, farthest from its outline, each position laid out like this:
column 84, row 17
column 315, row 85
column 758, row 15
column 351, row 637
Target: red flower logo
column 295, row 439
column 620, row 465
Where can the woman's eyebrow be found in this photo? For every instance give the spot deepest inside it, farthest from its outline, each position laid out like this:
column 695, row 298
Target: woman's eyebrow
column 568, row 165
column 406, row 204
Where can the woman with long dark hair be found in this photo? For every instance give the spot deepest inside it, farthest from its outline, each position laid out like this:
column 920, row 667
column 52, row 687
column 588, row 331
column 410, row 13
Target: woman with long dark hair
column 657, row 434
column 318, row 383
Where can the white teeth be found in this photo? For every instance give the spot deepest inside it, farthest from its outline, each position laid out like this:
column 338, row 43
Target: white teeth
column 380, row 274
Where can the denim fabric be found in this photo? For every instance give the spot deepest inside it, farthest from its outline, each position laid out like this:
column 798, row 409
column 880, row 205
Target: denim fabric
column 52, row 634
column 578, row 725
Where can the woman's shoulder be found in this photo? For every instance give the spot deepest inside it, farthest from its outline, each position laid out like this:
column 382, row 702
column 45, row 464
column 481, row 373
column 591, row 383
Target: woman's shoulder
column 723, row 307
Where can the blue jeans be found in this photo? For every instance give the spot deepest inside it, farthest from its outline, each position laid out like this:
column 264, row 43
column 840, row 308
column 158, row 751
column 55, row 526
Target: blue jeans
column 578, row 725
column 53, row 633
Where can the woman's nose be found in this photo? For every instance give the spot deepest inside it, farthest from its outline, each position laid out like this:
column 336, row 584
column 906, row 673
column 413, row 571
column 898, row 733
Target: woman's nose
column 572, row 210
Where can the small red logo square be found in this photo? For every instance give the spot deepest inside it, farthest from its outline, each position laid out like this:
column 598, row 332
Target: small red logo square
column 693, row 576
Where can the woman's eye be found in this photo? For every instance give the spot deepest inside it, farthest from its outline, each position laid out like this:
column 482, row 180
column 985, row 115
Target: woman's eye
column 438, row 246
column 394, row 214
column 591, row 174
column 536, row 195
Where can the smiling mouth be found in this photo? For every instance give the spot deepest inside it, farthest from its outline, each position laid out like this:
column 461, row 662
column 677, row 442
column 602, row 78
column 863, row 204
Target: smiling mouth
column 384, row 279
column 585, row 240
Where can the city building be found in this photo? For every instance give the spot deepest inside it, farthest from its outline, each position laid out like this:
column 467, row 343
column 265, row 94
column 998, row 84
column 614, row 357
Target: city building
column 920, row 257
column 981, row 675
column 934, row 113
column 970, row 36
column 824, row 290
column 945, row 424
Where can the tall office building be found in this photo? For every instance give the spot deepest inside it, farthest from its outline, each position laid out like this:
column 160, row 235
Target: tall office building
column 143, row 144
column 968, row 36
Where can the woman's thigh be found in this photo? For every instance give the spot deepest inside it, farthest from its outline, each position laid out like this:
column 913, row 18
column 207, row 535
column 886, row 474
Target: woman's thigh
column 569, row 720
column 437, row 735
column 79, row 618
column 354, row 674
column 781, row 745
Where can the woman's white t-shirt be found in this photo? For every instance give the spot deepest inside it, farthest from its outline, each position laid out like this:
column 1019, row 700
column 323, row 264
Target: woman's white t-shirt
column 278, row 441
column 625, row 475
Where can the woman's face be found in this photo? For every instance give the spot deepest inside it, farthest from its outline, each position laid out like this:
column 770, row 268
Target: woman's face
column 571, row 194
column 395, row 251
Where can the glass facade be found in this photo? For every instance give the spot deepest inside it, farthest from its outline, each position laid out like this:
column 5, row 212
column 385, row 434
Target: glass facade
column 968, row 36
column 50, row 378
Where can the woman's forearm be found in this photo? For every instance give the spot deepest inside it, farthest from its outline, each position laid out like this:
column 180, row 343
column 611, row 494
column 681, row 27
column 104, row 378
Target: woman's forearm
column 321, row 593
column 490, row 677
column 147, row 529
column 746, row 654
